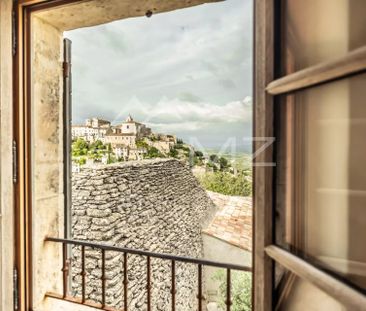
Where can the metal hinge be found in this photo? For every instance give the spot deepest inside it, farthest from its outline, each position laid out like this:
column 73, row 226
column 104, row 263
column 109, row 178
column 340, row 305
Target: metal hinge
column 14, row 29
column 15, row 162
column 15, row 289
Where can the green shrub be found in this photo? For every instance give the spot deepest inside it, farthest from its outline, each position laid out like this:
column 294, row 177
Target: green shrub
column 140, row 143
column 82, row 161
column 214, row 158
column 227, row 183
column 153, row 152
column 173, row 153
column 79, row 147
column 111, row 159
column 241, row 290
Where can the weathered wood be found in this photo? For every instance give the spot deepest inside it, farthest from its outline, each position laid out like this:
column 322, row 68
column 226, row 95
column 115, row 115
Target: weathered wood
column 351, row 63
column 330, row 285
column 263, row 129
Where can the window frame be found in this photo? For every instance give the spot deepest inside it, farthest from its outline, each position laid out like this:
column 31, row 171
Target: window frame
column 22, row 11
column 266, row 87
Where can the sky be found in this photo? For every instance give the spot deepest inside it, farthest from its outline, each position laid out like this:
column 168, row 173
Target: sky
column 186, row 73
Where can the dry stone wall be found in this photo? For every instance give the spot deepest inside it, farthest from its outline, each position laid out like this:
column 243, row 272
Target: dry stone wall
column 154, row 205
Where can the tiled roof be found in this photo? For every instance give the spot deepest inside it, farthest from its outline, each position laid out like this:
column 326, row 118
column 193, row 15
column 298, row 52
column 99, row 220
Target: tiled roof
column 233, row 222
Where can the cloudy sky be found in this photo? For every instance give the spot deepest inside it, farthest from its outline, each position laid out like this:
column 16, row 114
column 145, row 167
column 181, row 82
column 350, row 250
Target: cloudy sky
column 187, row 72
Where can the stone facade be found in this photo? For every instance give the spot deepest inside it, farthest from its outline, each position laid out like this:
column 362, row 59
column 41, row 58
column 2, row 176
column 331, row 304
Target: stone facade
column 155, row 205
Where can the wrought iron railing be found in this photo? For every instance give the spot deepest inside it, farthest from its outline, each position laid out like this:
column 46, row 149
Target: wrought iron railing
column 125, row 251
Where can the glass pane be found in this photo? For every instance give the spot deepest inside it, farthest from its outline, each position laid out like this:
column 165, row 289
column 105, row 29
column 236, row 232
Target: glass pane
column 321, row 179
column 318, row 30
column 296, row 294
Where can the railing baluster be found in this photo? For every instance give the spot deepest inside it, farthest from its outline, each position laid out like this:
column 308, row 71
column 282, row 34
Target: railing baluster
column 126, row 251
column 83, row 273
column 148, row 286
column 152, row 254
column 228, row 289
column 65, row 270
column 103, row 278
column 199, row 296
column 125, row 281
column 173, row 285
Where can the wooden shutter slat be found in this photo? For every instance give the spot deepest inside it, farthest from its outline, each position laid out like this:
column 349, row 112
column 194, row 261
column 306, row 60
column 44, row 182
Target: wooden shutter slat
column 327, row 283
column 352, row 63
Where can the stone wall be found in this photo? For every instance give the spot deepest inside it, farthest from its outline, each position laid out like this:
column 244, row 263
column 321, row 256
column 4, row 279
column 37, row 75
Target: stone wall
column 6, row 137
column 46, row 159
column 154, row 205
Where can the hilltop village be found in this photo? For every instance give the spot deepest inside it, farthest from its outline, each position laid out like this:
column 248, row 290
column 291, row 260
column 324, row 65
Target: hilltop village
column 129, row 140
column 100, row 142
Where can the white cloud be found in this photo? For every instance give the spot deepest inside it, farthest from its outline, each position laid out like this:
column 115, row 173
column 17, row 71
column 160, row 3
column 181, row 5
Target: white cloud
column 177, row 111
column 189, row 68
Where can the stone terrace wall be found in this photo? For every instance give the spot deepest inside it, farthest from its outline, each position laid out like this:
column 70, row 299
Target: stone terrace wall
column 154, row 205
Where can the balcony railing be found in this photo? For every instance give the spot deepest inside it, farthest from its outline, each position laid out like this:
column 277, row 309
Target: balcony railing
column 125, row 251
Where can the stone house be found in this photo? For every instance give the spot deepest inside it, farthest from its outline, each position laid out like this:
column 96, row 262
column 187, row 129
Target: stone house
column 97, row 123
column 93, row 130
column 130, row 126
column 123, row 137
column 126, row 139
column 127, row 153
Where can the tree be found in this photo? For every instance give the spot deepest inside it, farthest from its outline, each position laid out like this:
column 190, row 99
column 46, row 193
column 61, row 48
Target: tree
column 214, row 158
column 97, row 145
column 198, row 154
column 153, row 152
column 109, row 151
column 111, row 159
column 224, row 163
column 80, row 147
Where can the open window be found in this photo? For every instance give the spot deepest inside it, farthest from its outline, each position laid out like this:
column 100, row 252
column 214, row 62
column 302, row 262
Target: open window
column 309, row 177
column 70, row 252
